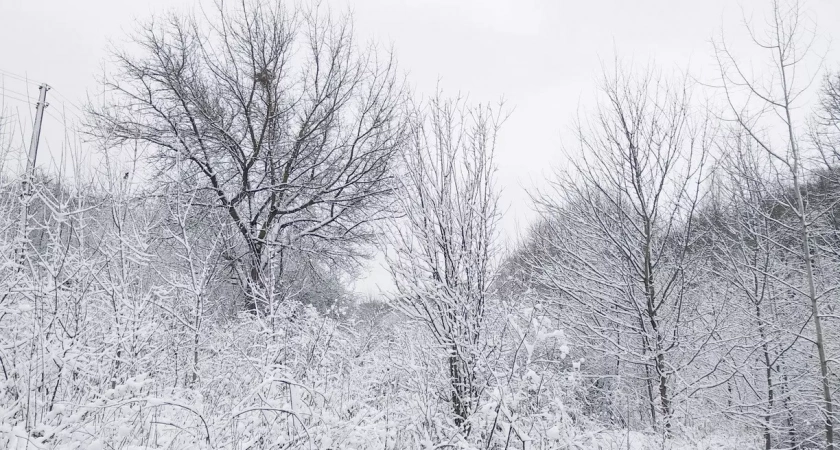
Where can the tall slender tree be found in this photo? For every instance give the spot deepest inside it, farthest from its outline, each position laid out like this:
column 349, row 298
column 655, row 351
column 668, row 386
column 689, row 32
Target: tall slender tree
column 761, row 105
column 444, row 252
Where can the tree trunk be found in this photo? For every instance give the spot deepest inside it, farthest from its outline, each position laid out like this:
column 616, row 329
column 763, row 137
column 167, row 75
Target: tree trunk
column 462, row 395
column 815, row 311
column 658, row 349
column 663, row 391
column 809, row 269
column 768, row 372
column 255, row 287
column 651, row 400
column 791, row 429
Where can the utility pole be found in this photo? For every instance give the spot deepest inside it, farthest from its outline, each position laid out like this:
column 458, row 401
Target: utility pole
column 29, row 176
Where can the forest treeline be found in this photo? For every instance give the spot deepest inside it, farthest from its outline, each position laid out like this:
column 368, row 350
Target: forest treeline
column 194, row 289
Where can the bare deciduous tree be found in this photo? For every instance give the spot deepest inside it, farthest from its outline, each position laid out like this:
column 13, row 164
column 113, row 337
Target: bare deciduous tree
column 757, row 102
column 283, row 121
column 443, row 256
column 617, row 236
column 746, row 233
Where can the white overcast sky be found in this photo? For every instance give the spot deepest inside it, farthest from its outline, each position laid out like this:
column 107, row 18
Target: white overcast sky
column 543, row 56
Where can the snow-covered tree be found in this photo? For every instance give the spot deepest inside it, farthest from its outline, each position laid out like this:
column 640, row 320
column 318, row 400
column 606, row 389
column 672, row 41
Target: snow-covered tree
column 444, row 249
column 617, row 249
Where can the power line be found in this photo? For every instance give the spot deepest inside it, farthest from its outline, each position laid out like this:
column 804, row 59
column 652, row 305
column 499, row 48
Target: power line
column 69, row 111
column 67, row 119
column 58, row 119
column 67, row 100
column 26, row 101
column 65, row 113
column 3, row 89
column 68, row 122
column 26, row 79
column 23, row 78
column 12, row 97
